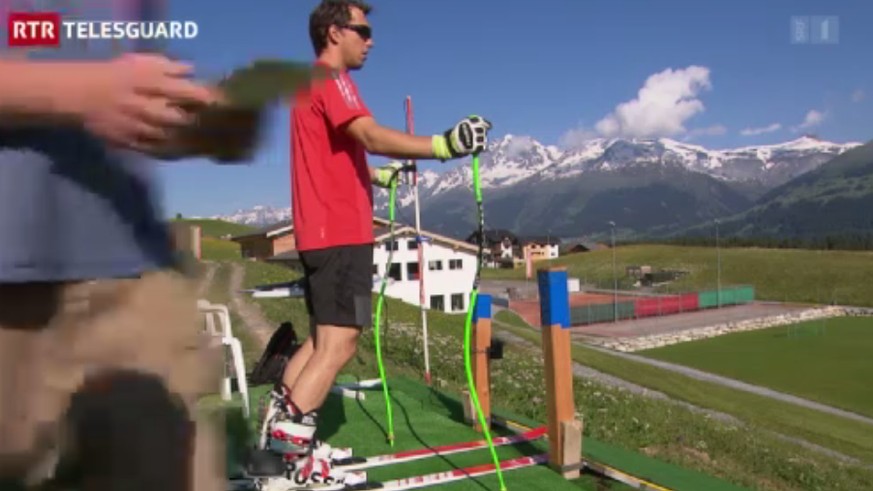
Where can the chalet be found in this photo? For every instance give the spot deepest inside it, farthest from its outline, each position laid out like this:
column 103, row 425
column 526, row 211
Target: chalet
column 266, row 242
column 276, row 242
column 539, row 248
column 451, row 263
column 448, row 278
column 502, row 247
column 573, row 247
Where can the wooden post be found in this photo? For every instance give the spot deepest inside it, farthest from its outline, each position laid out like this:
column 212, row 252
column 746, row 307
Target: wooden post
column 481, row 363
column 479, row 347
column 565, row 432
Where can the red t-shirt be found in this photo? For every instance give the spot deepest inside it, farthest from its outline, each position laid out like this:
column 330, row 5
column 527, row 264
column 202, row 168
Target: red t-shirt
column 331, row 190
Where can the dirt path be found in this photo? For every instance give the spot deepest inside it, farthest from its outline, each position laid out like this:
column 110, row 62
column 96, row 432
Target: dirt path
column 206, row 279
column 248, row 312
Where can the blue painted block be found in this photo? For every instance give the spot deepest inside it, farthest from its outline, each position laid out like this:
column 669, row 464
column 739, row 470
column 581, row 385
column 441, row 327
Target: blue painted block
column 554, row 298
column 483, row 307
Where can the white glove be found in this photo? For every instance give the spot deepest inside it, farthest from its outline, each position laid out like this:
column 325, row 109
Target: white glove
column 469, row 136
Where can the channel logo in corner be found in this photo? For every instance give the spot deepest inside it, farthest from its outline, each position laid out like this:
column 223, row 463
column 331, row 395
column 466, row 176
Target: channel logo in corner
column 49, row 29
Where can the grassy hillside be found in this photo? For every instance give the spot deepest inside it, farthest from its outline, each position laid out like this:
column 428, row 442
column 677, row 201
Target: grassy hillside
column 217, row 228
column 657, row 428
column 791, row 275
column 828, row 200
column 213, row 249
column 825, row 360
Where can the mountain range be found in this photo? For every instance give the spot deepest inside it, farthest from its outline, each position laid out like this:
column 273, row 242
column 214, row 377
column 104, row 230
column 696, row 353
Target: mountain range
column 647, row 187
column 831, row 200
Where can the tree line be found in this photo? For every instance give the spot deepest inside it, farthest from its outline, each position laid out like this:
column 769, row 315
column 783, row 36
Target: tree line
column 846, row 241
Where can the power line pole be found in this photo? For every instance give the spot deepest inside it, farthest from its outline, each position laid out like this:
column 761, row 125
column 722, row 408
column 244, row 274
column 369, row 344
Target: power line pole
column 718, row 264
column 614, row 277
column 421, row 256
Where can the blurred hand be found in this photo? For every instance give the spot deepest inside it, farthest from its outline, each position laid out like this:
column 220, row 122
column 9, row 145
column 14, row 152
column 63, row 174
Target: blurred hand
column 136, row 101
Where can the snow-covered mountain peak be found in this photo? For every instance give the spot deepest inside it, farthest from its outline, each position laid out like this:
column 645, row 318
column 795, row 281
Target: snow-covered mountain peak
column 508, row 160
column 257, row 215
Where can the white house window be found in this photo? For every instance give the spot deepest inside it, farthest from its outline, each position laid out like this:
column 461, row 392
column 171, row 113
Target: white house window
column 457, row 302
column 392, row 246
column 412, row 271
column 437, row 302
column 435, row 265
column 412, row 244
column 455, row 263
column 394, row 272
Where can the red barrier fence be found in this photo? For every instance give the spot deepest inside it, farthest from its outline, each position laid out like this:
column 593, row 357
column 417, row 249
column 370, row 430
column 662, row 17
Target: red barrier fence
column 672, row 304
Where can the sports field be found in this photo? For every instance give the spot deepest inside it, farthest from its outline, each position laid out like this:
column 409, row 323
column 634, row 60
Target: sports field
column 828, row 360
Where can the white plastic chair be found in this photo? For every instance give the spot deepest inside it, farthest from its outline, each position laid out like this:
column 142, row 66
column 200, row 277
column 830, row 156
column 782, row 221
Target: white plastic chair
column 212, row 311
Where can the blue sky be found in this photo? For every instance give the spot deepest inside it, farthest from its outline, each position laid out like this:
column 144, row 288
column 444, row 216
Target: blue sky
column 716, row 73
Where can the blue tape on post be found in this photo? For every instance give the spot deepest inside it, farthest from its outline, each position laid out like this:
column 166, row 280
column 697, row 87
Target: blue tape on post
column 483, row 307
column 554, row 298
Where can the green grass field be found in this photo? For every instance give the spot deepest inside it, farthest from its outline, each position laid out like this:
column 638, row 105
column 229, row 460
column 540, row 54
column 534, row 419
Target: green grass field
column 212, row 249
column 217, row 228
column 824, row 360
column 792, row 275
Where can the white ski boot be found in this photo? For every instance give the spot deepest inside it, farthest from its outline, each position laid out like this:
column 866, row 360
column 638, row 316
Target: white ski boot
column 295, row 440
column 312, row 473
column 293, row 435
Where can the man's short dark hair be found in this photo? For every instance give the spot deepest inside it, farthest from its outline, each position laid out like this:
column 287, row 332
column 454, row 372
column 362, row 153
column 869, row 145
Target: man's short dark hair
column 331, row 13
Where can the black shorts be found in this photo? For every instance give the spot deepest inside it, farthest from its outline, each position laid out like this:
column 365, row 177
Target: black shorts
column 339, row 285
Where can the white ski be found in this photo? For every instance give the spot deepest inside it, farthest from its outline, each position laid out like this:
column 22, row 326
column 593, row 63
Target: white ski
column 426, row 480
column 356, row 463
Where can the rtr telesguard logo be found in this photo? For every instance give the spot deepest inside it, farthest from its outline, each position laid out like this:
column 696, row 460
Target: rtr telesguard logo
column 49, row 29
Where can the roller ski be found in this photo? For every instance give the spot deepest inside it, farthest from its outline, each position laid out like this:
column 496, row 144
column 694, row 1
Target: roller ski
column 302, row 474
column 270, row 471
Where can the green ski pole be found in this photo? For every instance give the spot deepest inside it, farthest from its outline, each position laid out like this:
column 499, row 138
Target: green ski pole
column 474, row 295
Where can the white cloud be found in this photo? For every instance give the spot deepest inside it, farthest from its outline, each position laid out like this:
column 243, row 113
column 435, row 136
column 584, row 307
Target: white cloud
column 760, row 131
column 813, row 118
column 662, row 106
column 519, row 144
column 858, row 96
column 577, row 137
column 714, row 130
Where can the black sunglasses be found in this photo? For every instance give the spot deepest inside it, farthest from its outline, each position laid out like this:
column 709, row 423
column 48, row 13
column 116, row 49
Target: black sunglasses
column 364, row 31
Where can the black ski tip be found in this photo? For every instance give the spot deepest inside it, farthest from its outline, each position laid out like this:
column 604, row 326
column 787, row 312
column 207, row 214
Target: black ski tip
column 241, row 484
column 364, row 486
column 263, row 463
column 349, row 461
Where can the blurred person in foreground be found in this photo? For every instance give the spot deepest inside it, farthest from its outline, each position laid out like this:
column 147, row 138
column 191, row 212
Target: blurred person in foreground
column 100, row 355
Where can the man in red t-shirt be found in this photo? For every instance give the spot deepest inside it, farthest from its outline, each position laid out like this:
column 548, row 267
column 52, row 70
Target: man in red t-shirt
column 332, row 198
